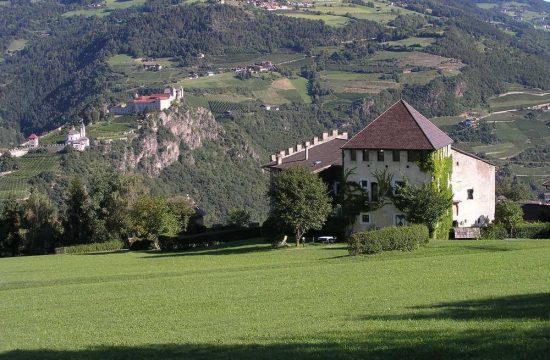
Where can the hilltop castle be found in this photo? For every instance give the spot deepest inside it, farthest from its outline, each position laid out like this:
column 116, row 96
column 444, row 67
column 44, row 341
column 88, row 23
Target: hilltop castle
column 143, row 103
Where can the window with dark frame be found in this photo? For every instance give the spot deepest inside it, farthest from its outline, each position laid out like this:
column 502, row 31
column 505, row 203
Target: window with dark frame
column 365, row 155
column 374, row 191
column 470, row 194
column 365, row 218
column 353, row 155
column 364, row 185
column 380, row 155
column 413, row 155
column 396, row 155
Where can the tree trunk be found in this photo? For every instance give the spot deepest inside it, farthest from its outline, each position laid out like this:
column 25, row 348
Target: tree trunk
column 298, row 234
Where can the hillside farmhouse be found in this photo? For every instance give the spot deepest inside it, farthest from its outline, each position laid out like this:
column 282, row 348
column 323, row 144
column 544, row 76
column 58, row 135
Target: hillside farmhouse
column 32, row 141
column 398, row 142
column 151, row 102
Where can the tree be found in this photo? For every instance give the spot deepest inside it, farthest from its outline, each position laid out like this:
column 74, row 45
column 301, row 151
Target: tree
column 40, row 223
column 151, row 216
column 424, row 204
column 239, row 218
column 182, row 209
column 10, row 228
column 299, row 201
column 77, row 223
column 509, row 214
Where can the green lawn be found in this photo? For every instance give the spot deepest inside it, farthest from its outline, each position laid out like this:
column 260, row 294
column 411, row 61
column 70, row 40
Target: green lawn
column 450, row 300
column 514, row 101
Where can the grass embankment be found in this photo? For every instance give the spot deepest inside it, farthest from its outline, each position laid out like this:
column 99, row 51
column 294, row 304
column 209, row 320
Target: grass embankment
column 479, row 299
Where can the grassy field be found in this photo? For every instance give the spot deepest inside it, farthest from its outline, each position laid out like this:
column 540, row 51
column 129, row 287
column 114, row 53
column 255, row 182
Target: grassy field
column 337, row 13
column 17, row 44
column 514, row 101
column 452, row 300
column 110, row 6
column 16, row 184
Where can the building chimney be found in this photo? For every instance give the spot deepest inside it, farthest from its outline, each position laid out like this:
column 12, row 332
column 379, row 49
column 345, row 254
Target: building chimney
column 307, row 150
column 290, row 151
column 335, row 132
column 273, row 157
column 345, row 134
column 325, row 135
column 279, row 159
column 315, row 140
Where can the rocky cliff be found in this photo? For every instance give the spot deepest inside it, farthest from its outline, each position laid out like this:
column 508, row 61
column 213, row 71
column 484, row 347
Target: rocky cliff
column 165, row 135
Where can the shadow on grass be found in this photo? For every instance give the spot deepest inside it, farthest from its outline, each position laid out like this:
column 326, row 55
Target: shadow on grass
column 232, row 248
column 530, row 306
column 415, row 344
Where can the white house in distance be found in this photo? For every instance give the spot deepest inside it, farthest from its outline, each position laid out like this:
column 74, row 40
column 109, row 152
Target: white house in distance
column 32, row 141
column 395, row 142
column 77, row 139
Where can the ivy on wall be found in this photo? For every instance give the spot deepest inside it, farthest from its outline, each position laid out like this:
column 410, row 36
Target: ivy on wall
column 441, row 167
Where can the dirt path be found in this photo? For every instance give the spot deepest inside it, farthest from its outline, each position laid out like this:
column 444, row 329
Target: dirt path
column 522, row 92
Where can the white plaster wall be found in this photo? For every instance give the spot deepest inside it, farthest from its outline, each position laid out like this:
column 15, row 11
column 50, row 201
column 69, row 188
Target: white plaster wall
column 471, row 173
column 363, row 170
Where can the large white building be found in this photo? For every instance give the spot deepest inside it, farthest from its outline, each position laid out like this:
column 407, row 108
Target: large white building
column 77, row 138
column 396, row 142
column 151, row 102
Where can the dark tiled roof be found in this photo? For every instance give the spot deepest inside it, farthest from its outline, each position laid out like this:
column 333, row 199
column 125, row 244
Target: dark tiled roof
column 400, row 127
column 546, row 183
column 320, row 157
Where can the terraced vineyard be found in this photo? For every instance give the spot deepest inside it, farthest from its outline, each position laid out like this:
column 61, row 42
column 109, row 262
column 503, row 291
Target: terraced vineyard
column 16, row 184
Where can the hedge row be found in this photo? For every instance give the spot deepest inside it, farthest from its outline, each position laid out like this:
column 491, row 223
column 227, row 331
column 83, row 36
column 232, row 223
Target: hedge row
column 532, row 231
column 405, row 238
column 522, row 231
column 182, row 242
column 112, row 245
column 494, row 231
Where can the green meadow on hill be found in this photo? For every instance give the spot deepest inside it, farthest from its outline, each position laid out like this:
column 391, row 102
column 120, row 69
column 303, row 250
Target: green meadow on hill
column 453, row 299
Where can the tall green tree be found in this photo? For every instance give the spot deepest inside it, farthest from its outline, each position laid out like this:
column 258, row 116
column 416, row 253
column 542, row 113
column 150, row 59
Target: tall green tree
column 10, row 229
column 299, row 201
column 78, row 221
column 509, row 214
column 239, row 218
column 40, row 223
column 424, row 204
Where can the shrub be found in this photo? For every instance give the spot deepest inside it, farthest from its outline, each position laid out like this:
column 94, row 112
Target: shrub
column 533, row 231
column 182, row 242
column 95, row 247
column 494, row 231
column 405, row 238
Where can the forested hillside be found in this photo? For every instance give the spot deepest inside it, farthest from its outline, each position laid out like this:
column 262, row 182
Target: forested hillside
column 337, row 65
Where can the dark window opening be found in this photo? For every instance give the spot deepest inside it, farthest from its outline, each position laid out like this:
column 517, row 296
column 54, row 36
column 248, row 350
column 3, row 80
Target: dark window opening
column 364, row 185
column 470, row 194
column 353, row 155
column 413, row 155
column 396, row 155
column 365, row 155
column 380, row 155
column 365, row 218
column 374, row 191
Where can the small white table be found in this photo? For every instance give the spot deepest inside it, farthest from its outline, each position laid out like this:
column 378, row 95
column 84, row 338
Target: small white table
column 326, row 239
